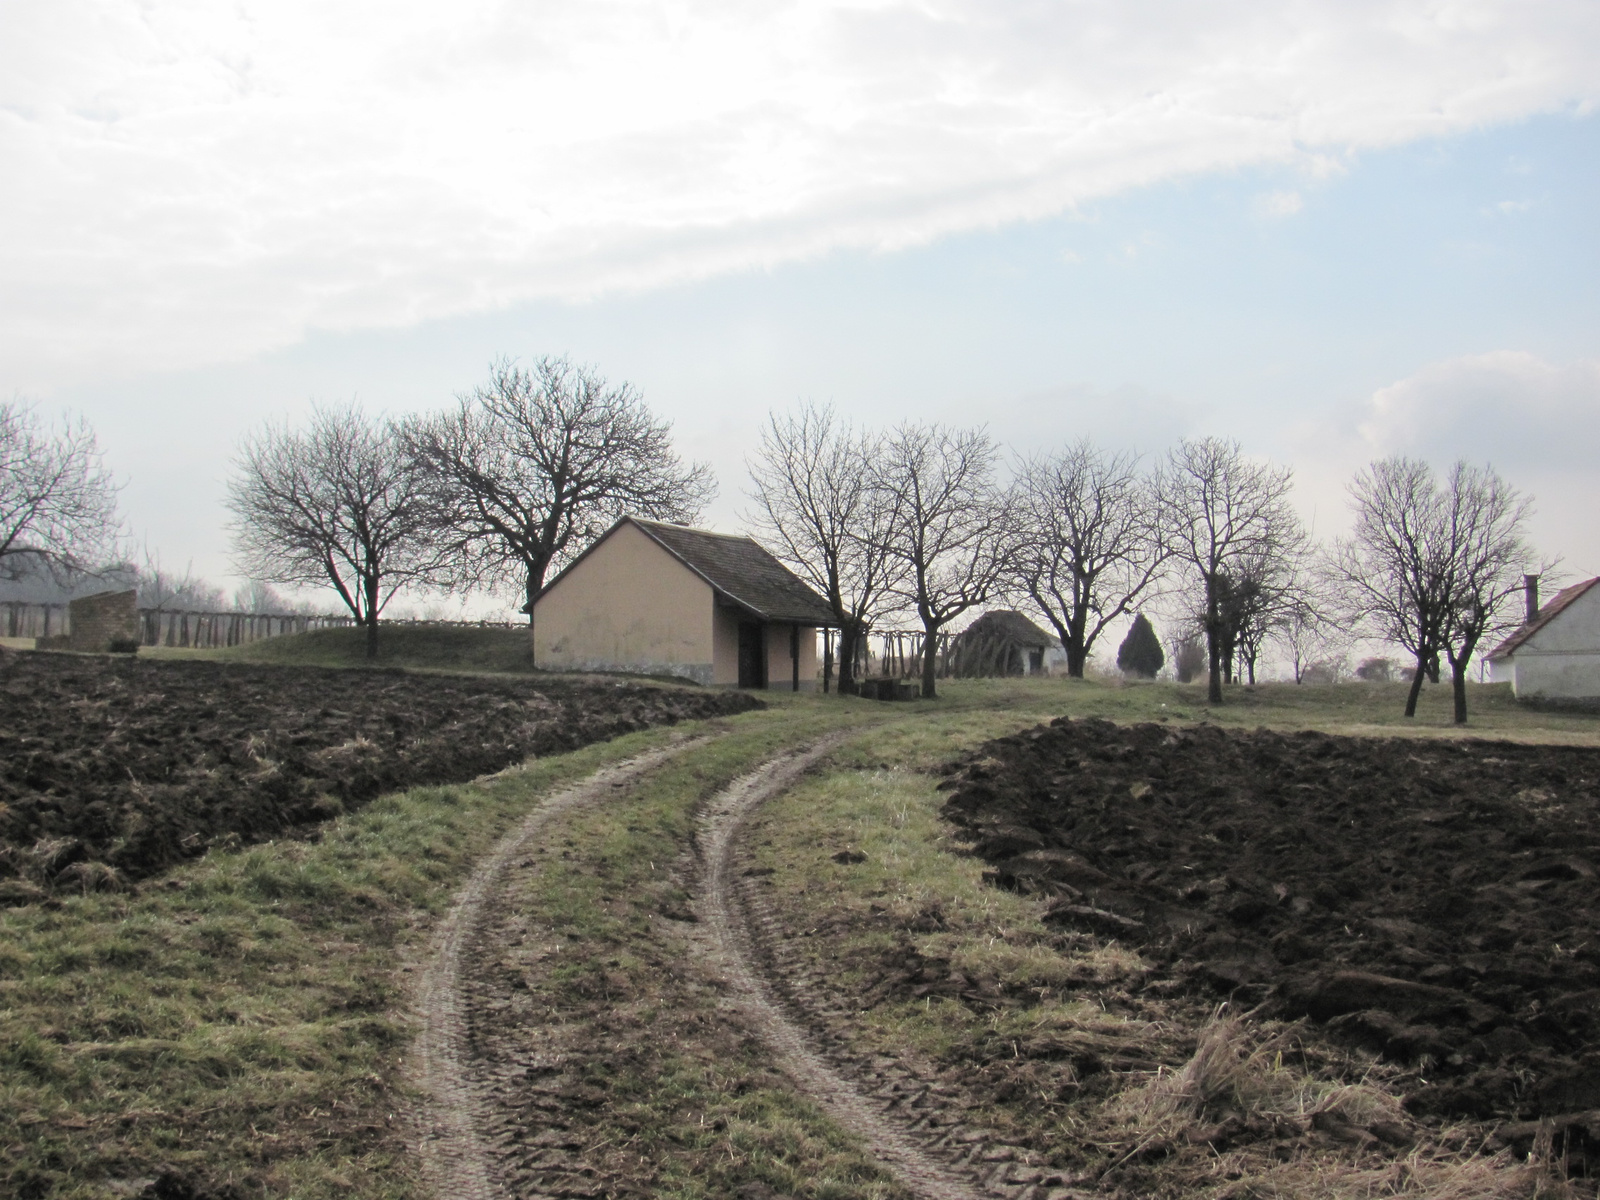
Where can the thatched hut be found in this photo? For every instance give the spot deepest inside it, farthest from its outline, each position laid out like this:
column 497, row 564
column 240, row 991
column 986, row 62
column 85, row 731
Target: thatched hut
column 1001, row 642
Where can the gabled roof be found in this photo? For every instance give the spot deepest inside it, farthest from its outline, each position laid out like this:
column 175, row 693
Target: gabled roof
column 1563, row 598
column 737, row 568
column 1011, row 625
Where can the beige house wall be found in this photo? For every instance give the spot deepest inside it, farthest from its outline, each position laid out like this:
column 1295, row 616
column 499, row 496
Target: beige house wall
column 628, row 606
column 780, row 666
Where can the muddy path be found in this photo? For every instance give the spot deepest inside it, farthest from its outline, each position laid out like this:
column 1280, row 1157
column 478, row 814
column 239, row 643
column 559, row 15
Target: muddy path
column 471, row 1049
column 907, row 1116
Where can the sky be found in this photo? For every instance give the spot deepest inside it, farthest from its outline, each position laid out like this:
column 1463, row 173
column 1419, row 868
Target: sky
column 1333, row 231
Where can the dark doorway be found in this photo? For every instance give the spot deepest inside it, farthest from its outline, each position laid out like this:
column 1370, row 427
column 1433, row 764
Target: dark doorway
column 752, row 655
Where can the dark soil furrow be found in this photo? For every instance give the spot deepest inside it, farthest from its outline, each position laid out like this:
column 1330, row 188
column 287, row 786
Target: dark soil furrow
column 114, row 768
column 1434, row 903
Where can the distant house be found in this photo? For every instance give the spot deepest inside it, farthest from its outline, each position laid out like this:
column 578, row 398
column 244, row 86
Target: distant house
column 1001, row 642
column 660, row 599
column 1556, row 653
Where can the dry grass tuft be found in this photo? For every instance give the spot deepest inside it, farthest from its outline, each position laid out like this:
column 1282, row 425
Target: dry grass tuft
column 1236, row 1083
column 1436, row 1175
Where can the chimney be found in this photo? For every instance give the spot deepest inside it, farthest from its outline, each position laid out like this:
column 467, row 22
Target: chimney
column 1530, row 588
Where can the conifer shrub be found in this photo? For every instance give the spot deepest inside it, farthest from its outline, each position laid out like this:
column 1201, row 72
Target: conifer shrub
column 1140, row 653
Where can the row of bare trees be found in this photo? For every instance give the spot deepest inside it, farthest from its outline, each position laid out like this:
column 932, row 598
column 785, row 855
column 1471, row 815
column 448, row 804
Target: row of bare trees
column 530, row 467
column 523, row 471
column 916, row 519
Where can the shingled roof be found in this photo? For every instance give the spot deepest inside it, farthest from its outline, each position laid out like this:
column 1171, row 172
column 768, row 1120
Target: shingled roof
column 740, row 571
column 1562, row 598
column 1008, row 623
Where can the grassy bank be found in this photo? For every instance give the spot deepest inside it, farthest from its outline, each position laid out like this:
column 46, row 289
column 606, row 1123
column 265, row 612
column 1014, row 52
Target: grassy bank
column 414, row 647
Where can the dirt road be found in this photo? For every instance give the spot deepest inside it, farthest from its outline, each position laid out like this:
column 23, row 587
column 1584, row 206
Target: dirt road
column 898, row 1107
column 461, row 1127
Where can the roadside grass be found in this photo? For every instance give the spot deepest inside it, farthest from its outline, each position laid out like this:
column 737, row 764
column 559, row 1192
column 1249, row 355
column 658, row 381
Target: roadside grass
column 238, row 1022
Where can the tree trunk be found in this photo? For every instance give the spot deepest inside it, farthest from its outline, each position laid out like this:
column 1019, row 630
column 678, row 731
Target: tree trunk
column 1417, row 677
column 849, row 651
column 1458, row 678
column 1458, row 691
column 372, row 618
column 1077, row 652
column 1213, row 648
column 929, row 688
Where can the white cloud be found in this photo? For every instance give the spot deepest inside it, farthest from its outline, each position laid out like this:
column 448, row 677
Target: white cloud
column 189, row 182
column 1278, row 204
column 1535, row 422
column 1509, row 408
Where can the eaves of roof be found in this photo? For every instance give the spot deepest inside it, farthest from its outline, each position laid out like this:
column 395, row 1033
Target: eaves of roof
column 1563, row 598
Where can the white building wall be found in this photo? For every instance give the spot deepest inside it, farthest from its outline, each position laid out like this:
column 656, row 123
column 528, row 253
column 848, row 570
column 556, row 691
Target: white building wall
column 1562, row 660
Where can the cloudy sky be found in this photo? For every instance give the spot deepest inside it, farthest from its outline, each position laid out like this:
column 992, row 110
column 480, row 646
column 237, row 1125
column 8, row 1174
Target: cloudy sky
column 1332, row 230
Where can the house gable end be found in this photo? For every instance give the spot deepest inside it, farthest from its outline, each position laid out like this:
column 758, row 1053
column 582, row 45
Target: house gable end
column 1575, row 629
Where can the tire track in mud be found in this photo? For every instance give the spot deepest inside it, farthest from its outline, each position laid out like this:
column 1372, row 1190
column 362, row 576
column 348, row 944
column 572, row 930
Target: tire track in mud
column 908, row 1118
column 462, row 1127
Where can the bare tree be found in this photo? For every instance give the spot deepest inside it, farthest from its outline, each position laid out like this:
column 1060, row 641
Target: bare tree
column 949, row 526
column 1088, row 544
column 1388, row 570
column 1224, row 515
column 58, row 502
column 817, row 506
column 341, row 504
column 535, row 464
column 1489, row 553
column 1430, row 565
column 162, row 588
column 1307, row 634
column 259, row 596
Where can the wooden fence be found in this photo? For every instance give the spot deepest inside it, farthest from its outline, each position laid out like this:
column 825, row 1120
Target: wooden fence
column 199, row 630
column 211, row 630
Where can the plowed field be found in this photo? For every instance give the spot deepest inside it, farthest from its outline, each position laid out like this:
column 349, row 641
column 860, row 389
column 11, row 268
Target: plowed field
column 113, row 768
column 1432, row 902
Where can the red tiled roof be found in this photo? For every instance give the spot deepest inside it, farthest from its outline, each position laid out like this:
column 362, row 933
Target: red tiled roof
column 1563, row 598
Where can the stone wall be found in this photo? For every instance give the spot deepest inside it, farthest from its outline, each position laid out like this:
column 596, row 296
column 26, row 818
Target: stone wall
column 103, row 618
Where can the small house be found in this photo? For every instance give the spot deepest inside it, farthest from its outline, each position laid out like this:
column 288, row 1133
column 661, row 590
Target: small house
column 654, row 598
column 1001, row 642
column 1556, row 653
